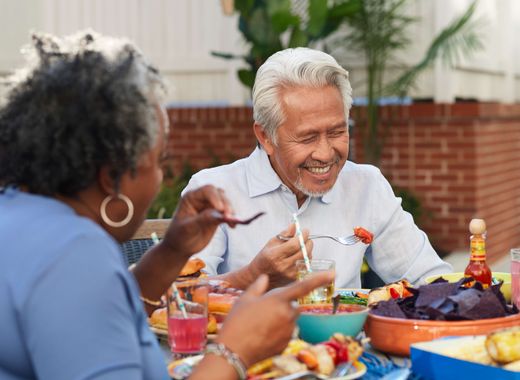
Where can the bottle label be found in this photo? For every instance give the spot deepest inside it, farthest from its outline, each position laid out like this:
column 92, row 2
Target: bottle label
column 478, row 250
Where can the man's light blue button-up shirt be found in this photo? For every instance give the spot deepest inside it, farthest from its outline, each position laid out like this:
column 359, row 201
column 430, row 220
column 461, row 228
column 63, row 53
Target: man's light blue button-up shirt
column 361, row 196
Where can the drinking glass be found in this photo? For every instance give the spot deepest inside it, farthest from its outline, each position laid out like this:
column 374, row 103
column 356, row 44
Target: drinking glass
column 515, row 276
column 322, row 294
column 187, row 329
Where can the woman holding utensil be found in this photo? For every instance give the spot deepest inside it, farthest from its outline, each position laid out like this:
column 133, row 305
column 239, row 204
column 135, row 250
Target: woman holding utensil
column 81, row 140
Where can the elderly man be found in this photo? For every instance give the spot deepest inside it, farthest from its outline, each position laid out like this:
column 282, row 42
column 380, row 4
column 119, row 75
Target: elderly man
column 301, row 103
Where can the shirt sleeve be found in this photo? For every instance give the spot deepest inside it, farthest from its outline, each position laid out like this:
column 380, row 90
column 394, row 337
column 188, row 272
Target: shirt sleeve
column 400, row 249
column 213, row 254
column 79, row 318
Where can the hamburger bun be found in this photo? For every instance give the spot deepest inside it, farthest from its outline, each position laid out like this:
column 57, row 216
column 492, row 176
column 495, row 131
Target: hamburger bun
column 158, row 319
column 192, row 268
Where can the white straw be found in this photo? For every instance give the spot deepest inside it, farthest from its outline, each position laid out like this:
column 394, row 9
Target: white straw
column 302, row 244
column 176, row 294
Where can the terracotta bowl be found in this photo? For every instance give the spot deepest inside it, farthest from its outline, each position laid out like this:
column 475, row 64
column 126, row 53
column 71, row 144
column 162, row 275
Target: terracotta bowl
column 395, row 335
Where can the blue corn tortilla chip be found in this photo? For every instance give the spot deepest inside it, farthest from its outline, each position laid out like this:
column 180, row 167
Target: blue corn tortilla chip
column 466, row 300
column 388, row 308
column 430, row 293
column 488, row 306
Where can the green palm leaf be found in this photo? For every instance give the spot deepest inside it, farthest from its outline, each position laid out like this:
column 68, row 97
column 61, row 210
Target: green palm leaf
column 459, row 39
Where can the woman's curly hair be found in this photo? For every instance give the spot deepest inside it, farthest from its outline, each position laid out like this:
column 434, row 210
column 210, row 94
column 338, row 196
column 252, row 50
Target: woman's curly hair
column 82, row 102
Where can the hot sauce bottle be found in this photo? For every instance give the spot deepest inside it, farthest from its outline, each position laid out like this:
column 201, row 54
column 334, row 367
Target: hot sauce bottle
column 477, row 267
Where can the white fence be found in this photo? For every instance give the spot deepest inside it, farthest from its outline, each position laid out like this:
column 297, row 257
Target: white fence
column 178, row 36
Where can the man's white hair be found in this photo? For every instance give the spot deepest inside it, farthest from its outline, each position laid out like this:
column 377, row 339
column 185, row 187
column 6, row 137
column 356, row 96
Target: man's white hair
column 294, row 68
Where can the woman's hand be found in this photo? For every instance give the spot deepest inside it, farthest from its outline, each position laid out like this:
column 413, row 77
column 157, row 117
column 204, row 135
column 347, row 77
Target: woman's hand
column 197, row 217
column 260, row 325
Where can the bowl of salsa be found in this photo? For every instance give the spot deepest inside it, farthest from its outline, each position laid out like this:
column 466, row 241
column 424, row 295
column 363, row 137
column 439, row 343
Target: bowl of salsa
column 317, row 323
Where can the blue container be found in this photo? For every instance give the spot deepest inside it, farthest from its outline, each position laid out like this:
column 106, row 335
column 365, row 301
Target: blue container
column 315, row 328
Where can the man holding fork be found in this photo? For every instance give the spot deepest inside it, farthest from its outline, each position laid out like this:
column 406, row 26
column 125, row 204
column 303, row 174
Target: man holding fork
column 301, row 103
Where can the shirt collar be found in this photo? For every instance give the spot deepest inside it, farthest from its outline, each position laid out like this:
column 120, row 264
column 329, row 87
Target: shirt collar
column 262, row 179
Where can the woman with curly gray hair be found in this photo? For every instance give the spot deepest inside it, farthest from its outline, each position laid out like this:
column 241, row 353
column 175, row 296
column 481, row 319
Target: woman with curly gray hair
column 81, row 138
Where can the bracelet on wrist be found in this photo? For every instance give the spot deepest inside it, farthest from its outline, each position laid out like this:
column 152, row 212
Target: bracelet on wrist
column 232, row 358
column 149, row 302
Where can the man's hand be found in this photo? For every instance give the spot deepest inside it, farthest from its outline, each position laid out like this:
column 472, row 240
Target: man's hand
column 195, row 219
column 278, row 258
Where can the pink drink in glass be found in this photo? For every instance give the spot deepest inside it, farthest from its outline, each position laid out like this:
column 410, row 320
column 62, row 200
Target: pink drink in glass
column 187, row 335
column 515, row 282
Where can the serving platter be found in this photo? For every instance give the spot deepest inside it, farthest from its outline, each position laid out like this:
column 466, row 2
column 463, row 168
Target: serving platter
column 181, row 369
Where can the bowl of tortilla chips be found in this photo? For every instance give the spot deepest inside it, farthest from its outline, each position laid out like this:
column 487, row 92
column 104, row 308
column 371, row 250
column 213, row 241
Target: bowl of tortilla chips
column 497, row 276
column 436, row 310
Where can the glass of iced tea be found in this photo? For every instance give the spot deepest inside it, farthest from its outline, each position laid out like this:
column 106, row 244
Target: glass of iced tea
column 187, row 316
column 515, row 276
column 320, row 295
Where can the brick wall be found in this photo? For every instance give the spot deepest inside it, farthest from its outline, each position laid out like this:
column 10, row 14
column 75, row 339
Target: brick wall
column 461, row 160
column 203, row 136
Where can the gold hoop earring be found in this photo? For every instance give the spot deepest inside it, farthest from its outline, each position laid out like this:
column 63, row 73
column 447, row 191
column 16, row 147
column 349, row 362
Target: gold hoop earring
column 103, row 210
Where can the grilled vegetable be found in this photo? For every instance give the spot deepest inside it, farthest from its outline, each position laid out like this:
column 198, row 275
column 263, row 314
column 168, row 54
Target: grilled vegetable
column 325, row 361
column 295, row 346
column 308, row 358
column 260, row 367
column 364, row 235
column 288, row 364
column 398, row 289
column 352, row 300
column 504, row 345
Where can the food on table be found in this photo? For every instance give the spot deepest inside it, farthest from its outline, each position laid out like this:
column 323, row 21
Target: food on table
column 352, row 297
column 287, row 364
column 477, row 269
column 500, row 348
column 513, row 366
column 220, row 301
column 395, row 290
column 212, row 324
column 300, row 356
column 442, row 300
column 159, row 319
column 364, row 235
column 192, row 268
column 474, row 351
column 504, row 345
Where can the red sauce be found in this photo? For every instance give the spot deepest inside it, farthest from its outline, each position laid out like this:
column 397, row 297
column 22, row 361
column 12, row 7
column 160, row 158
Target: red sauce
column 327, row 309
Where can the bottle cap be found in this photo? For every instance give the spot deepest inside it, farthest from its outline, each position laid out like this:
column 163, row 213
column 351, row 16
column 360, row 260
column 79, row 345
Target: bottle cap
column 477, row 226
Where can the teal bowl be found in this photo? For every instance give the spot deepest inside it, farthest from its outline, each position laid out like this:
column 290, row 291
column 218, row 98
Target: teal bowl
column 317, row 323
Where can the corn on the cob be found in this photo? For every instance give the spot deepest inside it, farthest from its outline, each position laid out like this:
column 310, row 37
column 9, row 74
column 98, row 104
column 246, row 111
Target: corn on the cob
column 504, row 345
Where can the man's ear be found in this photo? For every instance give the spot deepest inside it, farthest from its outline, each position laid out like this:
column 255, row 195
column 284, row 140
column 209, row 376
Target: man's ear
column 263, row 138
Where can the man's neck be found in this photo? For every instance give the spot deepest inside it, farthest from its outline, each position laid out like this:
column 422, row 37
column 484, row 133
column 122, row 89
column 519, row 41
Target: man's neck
column 301, row 198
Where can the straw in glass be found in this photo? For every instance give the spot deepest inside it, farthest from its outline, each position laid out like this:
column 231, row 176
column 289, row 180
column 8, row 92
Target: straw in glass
column 176, row 294
column 302, row 243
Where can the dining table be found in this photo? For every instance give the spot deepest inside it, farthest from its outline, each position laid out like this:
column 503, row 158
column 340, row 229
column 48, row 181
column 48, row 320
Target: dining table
column 380, row 366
